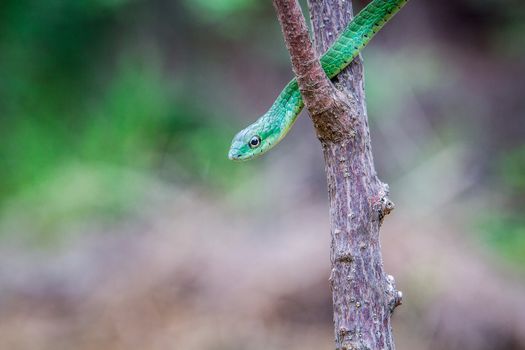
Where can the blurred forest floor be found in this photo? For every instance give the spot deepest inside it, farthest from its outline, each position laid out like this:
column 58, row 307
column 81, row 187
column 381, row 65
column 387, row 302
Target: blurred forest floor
column 161, row 281
column 124, row 226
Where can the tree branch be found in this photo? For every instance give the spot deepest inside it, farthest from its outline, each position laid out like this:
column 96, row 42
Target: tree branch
column 321, row 98
column 363, row 295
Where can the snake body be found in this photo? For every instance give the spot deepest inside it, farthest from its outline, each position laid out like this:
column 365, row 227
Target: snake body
column 270, row 128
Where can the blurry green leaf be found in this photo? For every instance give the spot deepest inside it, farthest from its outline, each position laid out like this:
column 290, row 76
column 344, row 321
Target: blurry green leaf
column 73, row 195
column 504, row 228
column 218, row 9
column 514, row 169
column 506, row 234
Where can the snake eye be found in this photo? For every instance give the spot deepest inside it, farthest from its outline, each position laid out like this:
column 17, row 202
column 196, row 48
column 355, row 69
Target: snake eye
column 255, row 141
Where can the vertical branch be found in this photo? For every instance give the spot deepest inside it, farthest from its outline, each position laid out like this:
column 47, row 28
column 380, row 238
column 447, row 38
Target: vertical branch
column 328, row 109
column 315, row 86
column 363, row 295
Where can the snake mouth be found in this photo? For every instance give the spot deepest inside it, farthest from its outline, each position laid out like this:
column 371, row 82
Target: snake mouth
column 234, row 155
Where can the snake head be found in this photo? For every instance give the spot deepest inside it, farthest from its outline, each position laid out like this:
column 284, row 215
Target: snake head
column 254, row 140
column 249, row 143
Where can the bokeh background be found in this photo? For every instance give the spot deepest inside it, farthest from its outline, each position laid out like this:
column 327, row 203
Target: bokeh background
column 124, row 226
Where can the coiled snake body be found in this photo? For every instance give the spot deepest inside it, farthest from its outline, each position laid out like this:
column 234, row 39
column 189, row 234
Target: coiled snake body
column 270, row 128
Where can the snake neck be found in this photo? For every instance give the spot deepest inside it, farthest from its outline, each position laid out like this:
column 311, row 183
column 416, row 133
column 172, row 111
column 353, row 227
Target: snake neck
column 282, row 115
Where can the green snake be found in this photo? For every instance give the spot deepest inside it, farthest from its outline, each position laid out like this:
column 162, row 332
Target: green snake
column 270, row 128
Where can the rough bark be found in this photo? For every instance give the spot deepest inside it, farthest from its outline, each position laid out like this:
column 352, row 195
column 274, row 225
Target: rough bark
column 364, row 297
column 328, row 108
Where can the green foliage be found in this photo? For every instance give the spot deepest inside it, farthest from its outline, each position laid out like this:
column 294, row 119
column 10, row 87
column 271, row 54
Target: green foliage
column 86, row 133
column 138, row 130
column 514, row 171
column 219, row 9
column 505, row 230
column 506, row 234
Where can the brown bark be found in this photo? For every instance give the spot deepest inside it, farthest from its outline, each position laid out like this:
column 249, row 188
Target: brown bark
column 363, row 295
column 328, row 109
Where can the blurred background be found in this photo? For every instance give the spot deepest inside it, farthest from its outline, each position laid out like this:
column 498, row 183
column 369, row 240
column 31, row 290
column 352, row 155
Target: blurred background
column 124, row 226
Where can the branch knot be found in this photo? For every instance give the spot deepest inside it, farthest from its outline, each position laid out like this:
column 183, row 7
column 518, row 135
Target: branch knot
column 395, row 296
